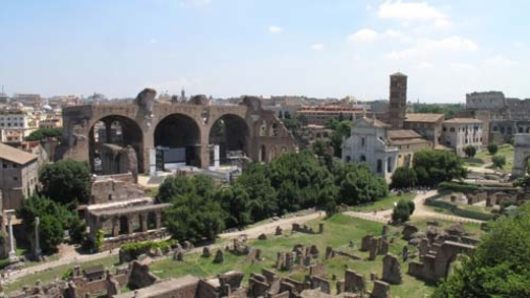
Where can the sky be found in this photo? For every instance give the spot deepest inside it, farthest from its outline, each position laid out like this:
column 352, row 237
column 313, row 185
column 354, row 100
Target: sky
column 225, row 48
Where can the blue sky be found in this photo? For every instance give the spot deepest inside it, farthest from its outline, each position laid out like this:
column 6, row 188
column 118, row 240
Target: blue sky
column 265, row 47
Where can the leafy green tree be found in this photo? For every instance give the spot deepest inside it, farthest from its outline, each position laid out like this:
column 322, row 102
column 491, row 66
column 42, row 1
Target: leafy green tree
column 470, row 151
column 493, row 148
column 173, row 186
column 43, row 133
column 66, row 181
column 402, row 211
column 435, row 166
column 341, row 130
column 298, row 177
column 235, row 201
column 499, row 265
column 54, row 219
column 203, row 186
column 263, row 197
column 404, row 177
column 194, row 218
column 498, row 161
column 358, row 185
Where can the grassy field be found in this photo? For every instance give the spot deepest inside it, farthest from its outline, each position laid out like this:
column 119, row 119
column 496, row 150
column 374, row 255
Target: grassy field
column 339, row 230
column 385, row 203
column 57, row 272
column 484, row 157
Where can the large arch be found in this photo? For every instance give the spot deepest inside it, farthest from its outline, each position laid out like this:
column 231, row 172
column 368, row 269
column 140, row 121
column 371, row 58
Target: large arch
column 177, row 139
column 521, row 155
column 232, row 134
column 116, row 130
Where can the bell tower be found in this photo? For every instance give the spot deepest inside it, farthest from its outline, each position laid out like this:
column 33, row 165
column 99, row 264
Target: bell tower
column 398, row 100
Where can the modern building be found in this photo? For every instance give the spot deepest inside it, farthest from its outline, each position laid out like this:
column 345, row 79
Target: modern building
column 18, row 176
column 322, row 114
column 458, row 133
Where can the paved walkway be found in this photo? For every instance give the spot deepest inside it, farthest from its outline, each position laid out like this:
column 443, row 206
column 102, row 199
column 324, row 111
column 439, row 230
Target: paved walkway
column 421, row 211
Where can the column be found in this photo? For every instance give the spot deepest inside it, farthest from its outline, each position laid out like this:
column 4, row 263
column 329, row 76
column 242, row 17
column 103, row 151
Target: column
column 115, row 227
column 216, row 156
column 12, row 252
column 129, row 225
column 37, row 240
column 143, row 222
column 158, row 220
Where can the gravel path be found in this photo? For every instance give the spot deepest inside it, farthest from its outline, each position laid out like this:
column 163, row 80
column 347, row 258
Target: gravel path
column 421, row 211
column 69, row 256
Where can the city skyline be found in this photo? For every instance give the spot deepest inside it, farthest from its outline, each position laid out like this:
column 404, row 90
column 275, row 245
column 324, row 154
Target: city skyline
column 230, row 48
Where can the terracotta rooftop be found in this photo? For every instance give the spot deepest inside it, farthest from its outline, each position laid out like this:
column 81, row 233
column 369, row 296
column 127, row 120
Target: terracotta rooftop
column 376, row 122
column 402, row 134
column 424, row 117
column 463, row 120
column 15, row 155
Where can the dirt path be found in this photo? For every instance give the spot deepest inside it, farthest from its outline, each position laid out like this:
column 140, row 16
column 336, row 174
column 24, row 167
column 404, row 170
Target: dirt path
column 69, row 256
column 421, row 211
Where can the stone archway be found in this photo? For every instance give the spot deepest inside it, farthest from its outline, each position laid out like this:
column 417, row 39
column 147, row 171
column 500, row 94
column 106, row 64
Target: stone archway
column 177, row 139
column 116, row 132
column 521, row 155
column 231, row 134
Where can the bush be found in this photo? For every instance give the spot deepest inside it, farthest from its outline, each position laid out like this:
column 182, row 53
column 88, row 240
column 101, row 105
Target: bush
column 43, row 133
column 135, row 249
column 404, row 178
column 457, row 187
column 498, row 161
column 470, row 151
column 493, row 148
column 402, row 211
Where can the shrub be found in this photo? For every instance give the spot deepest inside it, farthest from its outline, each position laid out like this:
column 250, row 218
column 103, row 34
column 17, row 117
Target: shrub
column 498, row 161
column 402, row 211
column 470, row 151
column 493, row 148
column 404, row 178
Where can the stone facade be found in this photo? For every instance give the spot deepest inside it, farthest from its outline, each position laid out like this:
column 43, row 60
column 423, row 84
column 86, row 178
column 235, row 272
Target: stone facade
column 459, row 133
column 521, row 155
column 19, row 172
column 369, row 143
column 147, row 123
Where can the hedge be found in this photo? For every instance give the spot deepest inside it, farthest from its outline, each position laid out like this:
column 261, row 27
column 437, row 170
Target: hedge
column 458, row 187
column 135, row 249
column 433, row 202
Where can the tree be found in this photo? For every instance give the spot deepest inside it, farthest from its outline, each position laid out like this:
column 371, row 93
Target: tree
column 43, row 133
column 404, row 177
column 263, row 200
column 66, row 181
column 54, row 219
column 493, row 148
column 498, row 161
column 499, row 265
column 298, row 178
column 358, row 185
column 173, row 186
column 470, row 151
column 235, row 202
column 341, row 130
column 194, row 218
column 435, row 166
column 402, row 211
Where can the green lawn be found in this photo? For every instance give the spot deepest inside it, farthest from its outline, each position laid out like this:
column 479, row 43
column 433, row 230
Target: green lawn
column 484, row 157
column 339, row 230
column 385, row 203
column 56, row 272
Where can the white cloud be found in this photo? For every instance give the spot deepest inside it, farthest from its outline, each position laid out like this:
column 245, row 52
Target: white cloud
column 412, row 11
column 461, row 66
column 317, row 47
column 425, row 65
column 499, row 60
column 427, row 47
column 275, row 29
column 364, row 35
